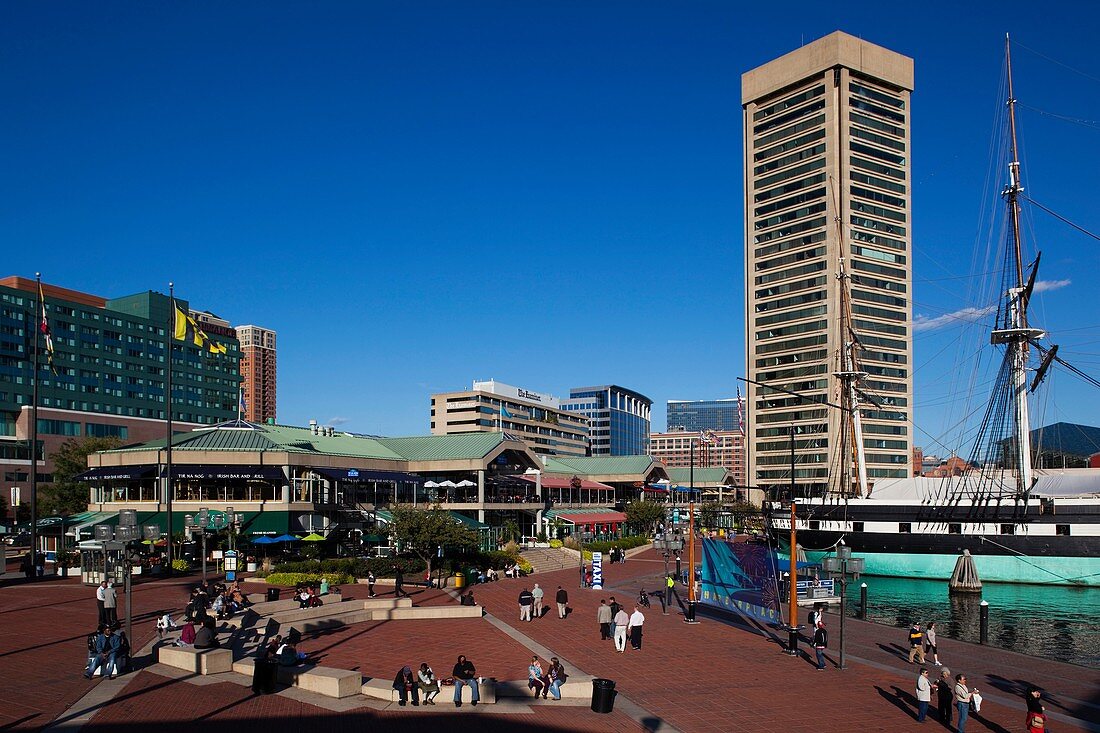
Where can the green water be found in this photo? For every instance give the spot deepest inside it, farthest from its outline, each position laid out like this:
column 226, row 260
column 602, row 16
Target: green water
column 1059, row 622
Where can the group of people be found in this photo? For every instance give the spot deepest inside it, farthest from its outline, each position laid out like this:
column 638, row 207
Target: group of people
column 548, row 681
column 954, row 698
column 922, row 642
column 411, row 686
column 222, row 600
column 616, row 624
column 109, row 650
column 531, row 603
column 284, row 650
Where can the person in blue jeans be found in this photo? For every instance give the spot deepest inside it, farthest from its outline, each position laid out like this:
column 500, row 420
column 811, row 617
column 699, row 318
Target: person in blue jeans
column 465, row 674
column 963, row 695
column 557, row 676
column 104, row 655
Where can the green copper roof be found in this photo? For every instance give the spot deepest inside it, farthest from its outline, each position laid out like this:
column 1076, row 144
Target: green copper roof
column 682, row 476
column 444, row 447
column 249, row 438
column 600, row 465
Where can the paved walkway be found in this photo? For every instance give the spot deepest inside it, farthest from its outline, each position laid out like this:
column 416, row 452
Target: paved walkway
column 715, row 675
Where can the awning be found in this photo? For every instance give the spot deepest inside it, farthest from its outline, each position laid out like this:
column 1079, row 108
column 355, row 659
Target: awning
column 82, row 523
column 116, row 473
column 228, row 473
column 583, row 518
column 559, row 482
column 654, row 490
column 362, row 475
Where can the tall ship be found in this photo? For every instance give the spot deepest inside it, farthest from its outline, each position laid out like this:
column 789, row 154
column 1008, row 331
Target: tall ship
column 1021, row 523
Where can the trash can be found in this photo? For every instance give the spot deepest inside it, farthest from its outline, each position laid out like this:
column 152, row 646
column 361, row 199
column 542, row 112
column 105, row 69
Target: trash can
column 471, row 576
column 272, row 594
column 603, row 695
column 264, row 676
column 460, row 580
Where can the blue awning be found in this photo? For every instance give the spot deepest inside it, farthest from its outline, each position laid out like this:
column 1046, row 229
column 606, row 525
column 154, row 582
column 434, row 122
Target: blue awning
column 228, row 473
column 116, row 473
column 363, row 475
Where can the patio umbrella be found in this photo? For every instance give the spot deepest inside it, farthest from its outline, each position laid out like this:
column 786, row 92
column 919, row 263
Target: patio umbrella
column 313, row 537
column 465, row 482
column 448, row 484
column 431, row 485
column 264, row 540
column 285, row 538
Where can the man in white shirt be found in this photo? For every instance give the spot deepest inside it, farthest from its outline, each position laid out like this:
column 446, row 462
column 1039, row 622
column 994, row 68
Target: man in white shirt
column 924, row 694
column 100, row 596
column 622, row 618
column 635, row 628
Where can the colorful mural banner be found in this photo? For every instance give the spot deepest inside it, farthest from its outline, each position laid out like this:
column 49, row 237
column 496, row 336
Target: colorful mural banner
column 740, row 576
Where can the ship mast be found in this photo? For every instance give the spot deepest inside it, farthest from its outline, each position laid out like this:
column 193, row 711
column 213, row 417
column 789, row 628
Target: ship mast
column 849, row 376
column 1018, row 334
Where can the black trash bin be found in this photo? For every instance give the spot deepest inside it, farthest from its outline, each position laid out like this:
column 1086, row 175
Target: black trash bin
column 272, row 594
column 603, row 695
column 264, row 676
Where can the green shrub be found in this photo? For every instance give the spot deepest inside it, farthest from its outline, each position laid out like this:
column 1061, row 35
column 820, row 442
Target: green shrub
column 181, row 565
column 357, row 567
column 625, row 543
column 296, row 578
column 555, row 544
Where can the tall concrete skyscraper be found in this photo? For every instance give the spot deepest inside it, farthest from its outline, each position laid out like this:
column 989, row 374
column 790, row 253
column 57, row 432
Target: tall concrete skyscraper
column 258, row 370
column 827, row 190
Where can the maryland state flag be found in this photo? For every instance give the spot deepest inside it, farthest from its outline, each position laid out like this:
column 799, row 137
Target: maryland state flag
column 44, row 329
column 187, row 329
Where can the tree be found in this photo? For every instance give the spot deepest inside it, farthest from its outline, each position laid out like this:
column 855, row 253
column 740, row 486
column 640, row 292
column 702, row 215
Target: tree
column 509, row 531
column 424, row 531
column 66, row 495
column 645, row 514
column 708, row 514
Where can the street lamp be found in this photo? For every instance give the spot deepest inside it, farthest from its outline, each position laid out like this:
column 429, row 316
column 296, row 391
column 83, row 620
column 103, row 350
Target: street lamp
column 841, row 567
column 668, row 543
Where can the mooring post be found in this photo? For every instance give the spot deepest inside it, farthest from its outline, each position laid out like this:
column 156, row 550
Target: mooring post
column 983, row 623
column 863, row 601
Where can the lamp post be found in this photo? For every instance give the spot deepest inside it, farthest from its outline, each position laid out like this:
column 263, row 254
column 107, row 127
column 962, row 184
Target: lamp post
column 668, row 544
column 842, row 566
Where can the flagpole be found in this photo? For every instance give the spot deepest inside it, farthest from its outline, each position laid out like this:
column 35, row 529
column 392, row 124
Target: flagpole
column 170, row 336
column 38, row 307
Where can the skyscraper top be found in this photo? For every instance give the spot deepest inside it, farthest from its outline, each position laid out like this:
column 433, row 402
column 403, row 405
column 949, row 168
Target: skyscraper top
column 834, row 50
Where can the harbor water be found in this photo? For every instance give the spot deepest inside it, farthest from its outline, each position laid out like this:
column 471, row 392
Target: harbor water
column 1057, row 622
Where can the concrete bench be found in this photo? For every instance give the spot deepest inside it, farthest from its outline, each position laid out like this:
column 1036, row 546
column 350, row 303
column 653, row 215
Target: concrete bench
column 327, row 681
column 196, row 661
column 303, row 614
column 575, row 687
column 425, row 613
column 382, row 689
column 374, row 603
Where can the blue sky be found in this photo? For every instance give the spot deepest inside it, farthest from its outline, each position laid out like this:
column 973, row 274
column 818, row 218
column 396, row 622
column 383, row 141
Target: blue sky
column 416, row 195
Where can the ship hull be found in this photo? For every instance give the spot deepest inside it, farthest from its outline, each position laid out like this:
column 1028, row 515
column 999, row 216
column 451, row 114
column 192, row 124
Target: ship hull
column 1073, row 561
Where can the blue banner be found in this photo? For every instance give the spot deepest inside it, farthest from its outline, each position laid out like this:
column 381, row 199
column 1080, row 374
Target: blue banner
column 740, row 576
column 597, row 570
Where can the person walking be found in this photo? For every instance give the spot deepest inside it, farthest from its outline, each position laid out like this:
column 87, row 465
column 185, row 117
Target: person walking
column 916, row 642
column 99, row 598
column 963, row 696
column 398, row 583
column 526, row 599
column 110, row 603
column 924, row 694
column 370, row 583
column 615, row 608
column 603, row 618
column 930, row 643
column 537, row 593
column 464, row 674
column 620, row 624
column 562, row 599
column 634, row 627
column 821, row 643
column 945, row 696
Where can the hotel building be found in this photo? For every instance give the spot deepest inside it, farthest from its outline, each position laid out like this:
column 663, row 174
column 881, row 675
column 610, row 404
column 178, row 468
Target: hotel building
column 827, row 180
column 533, row 418
column 717, row 449
column 258, row 372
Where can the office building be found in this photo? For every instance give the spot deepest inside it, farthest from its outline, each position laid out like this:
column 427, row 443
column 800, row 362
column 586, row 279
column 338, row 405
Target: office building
column 110, row 373
column 618, row 419
column 696, row 415
column 258, row 372
column 827, row 179
column 534, row 418
column 709, row 449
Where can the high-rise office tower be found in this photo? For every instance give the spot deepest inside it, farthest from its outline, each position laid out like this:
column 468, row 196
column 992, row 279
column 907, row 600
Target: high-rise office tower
column 696, row 415
column 618, row 418
column 258, row 372
column 827, row 189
